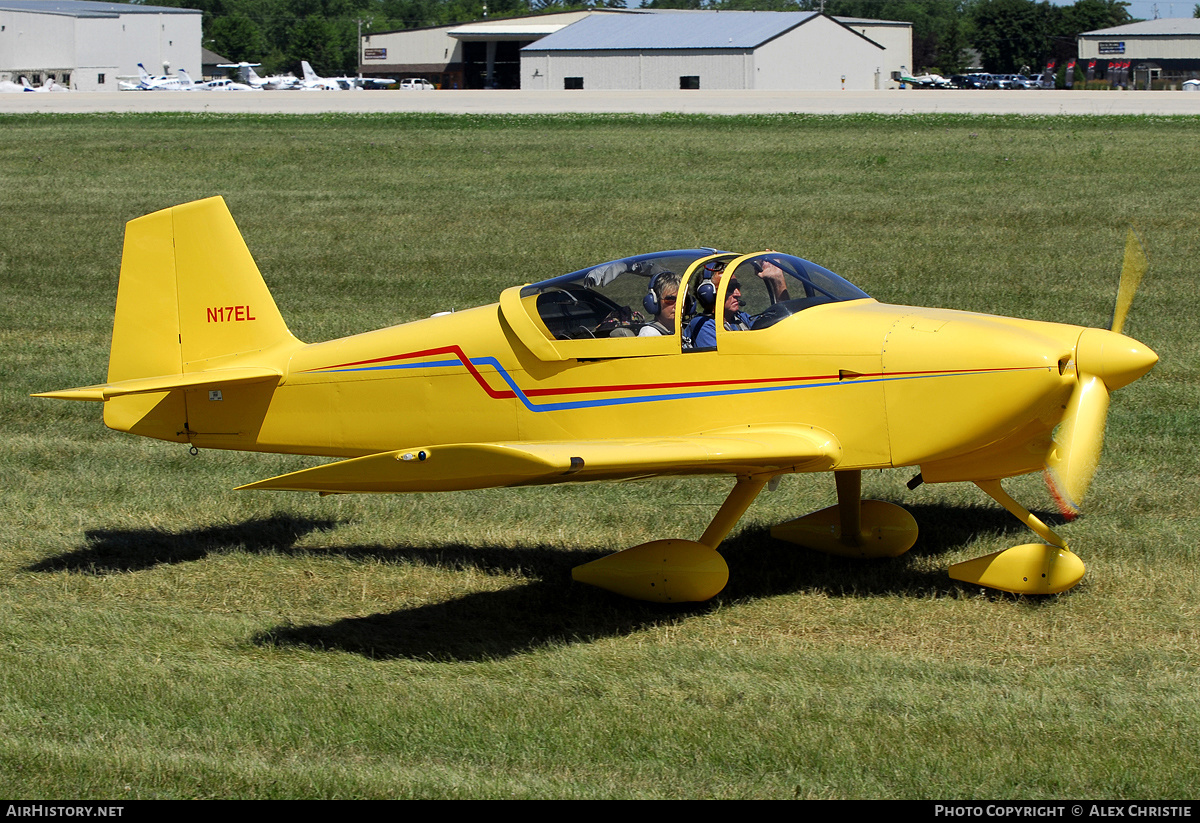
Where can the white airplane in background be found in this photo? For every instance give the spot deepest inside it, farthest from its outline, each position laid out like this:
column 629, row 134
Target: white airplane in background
column 220, row 84
column 925, row 81
column 315, row 82
column 149, row 82
column 276, row 82
column 382, row 82
column 186, row 83
column 48, row 86
column 224, row 84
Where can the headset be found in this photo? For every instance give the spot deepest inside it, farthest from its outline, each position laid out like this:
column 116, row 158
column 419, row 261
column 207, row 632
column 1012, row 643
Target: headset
column 706, row 289
column 652, row 302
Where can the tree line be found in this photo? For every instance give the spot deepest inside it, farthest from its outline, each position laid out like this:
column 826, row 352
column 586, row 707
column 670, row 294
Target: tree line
column 1007, row 34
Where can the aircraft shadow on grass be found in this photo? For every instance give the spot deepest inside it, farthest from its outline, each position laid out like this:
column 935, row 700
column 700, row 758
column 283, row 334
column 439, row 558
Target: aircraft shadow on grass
column 548, row 610
column 126, row 550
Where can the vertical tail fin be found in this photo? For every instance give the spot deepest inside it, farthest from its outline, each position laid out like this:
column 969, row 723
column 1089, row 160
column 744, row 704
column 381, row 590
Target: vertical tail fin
column 190, row 296
column 190, row 300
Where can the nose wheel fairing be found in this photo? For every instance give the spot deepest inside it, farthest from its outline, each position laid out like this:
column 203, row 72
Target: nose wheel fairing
column 1030, row 568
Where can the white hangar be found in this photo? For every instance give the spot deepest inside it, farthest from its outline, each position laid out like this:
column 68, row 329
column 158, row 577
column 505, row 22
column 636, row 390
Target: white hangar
column 86, row 45
column 648, row 49
column 708, row 50
column 478, row 55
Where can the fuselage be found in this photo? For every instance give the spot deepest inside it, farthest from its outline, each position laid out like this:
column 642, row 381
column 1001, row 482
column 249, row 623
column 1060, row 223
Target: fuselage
column 896, row 385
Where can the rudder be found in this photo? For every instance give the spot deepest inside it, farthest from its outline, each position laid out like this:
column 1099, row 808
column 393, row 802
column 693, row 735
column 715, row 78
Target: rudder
column 190, row 299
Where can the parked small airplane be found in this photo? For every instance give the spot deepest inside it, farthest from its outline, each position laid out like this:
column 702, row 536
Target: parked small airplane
column 374, row 82
column 186, row 83
column 313, row 82
column 222, row 84
column 925, row 81
column 149, row 82
column 276, row 82
column 556, row 384
column 7, row 86
column 48, row 86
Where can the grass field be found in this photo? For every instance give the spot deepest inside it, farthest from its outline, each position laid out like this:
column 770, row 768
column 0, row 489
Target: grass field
column 162, row 636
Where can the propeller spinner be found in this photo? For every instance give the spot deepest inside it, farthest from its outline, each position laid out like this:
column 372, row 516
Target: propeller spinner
column 1104, row 362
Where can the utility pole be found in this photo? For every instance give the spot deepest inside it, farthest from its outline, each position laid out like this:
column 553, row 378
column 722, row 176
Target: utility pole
column 358, row 46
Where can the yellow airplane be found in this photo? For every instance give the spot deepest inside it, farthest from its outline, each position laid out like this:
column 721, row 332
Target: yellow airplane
column 569, row 380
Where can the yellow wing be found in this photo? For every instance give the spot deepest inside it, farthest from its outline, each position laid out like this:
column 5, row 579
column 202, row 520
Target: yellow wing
column 748, row 450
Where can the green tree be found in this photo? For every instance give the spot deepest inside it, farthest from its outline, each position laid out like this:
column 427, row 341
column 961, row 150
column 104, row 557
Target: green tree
column 237, row 37
column 411, row 14
column 1089, row 15
column 1010, row 34
column 940, row 27
column 315, row 39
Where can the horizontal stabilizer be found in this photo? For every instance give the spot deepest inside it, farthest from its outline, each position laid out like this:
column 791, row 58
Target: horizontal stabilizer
column 464, row 466
column 169, row 382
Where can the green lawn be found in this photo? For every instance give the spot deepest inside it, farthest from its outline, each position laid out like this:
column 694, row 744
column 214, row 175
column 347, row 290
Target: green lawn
column 162, row 636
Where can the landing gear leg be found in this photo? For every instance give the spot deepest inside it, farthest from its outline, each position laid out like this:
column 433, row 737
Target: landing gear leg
column 854, row 527
column 674, row 571
column 1031, row 568
column 731, row 511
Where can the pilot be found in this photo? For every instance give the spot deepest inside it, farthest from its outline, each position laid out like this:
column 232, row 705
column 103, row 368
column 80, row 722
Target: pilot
column 660, row 302
column 702, row 331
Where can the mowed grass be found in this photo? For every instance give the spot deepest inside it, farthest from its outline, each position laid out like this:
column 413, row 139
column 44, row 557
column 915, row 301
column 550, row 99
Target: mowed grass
column 162, row 636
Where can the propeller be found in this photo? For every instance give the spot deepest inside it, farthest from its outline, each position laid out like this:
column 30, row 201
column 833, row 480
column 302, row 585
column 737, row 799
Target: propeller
column 1104, row 362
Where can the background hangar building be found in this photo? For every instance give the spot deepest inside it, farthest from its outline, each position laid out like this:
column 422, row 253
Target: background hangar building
column 641, row 49
column 1167, row 49
column 87, row 45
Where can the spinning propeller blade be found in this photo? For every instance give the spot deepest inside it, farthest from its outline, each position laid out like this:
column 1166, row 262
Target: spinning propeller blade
column 1077, row 445
column 1104, row 362
column 1131, row 277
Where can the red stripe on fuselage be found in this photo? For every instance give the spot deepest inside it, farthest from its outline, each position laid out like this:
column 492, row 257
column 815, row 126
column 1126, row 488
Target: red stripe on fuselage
column 506, row 394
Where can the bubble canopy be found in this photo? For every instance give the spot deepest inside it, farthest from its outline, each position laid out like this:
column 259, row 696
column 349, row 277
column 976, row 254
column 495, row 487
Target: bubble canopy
column 621, row 298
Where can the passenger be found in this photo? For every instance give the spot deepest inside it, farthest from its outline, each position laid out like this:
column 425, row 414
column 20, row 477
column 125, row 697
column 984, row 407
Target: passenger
column 702, row 330
column 660, row 302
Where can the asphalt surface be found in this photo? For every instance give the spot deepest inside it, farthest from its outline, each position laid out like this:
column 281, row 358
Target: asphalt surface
column 905, row 101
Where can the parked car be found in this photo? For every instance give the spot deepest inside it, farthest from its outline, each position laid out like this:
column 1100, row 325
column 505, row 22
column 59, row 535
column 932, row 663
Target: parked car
column 419, row 83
